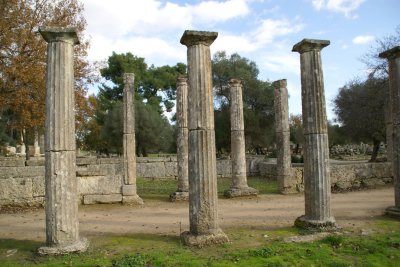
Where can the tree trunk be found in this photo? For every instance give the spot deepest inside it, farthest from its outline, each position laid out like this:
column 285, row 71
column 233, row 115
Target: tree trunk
column 375, row 151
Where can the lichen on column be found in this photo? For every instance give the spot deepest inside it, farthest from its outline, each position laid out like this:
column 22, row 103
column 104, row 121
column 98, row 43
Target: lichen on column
column 203, row 206
column 129, row 192
column 239, row 185
column 62, row 226
column 317, row 187
column 284, row 164
column 393, row 57
column 182, row 193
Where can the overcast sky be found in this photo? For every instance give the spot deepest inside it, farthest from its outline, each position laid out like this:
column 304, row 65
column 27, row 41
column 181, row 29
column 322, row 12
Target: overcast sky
column 263, row 31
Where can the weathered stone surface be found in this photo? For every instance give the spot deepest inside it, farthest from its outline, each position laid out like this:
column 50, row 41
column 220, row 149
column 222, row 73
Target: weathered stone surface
column 35, row 162
column 151, row 170
column 12, row 162
column 282, row 136
column 102, row 199
column 203, row 210
column 171, row 171
column 86, row 161
column 182, row 141
column 393, row 57
column 132, row 200
column 179, row 196
column 21, row 187
column 316, row 151
column 204, row 239
column 224, row 168
column 38, row 186
column 62, row 231
column 239, row 185
column 99, row 185
column 79, row 246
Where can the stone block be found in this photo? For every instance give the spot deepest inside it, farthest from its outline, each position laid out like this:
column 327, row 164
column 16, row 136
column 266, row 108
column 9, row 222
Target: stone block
column 99, row 185
column 8, row 172
column 102, row 199
column 86, row 161
column 35, row 162
column 109, row 160
column 38, row 186
column 30, row 171
column 151, row 170
column 171, row 169
column 16, row 189
column 13, row 162
column 224, row 168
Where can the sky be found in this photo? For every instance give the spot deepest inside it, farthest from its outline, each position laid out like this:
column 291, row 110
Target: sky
column 264, row 31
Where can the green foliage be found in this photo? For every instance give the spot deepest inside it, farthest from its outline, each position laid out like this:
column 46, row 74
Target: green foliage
column 136, row 260
column 248, row 248
column 258, row 97
column 334, row 240
column 155, row 89
column 262, row 252
column 359, row 107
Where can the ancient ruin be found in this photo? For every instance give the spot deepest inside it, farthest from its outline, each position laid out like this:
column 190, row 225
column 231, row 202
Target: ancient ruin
column 129, row 195
column 317, row 189
column 239, row 185
column 203, row 207
column 182, row 140
column 62, row 226
column 282, row 130
column 393, row 56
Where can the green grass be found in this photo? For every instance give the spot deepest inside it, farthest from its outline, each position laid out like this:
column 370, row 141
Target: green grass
column 160, row 189
column 248, row 247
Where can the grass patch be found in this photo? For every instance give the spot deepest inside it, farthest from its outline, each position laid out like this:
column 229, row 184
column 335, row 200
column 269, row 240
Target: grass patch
column 248, row 247
column 160, row 189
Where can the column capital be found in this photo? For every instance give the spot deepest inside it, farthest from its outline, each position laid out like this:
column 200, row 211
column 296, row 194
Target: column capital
column 59, row 34
column 391, row 53
column 129, row 78
column 307, row 45
column 190, row 38
column 280, row 84
column 235, row 82
column 182, row 79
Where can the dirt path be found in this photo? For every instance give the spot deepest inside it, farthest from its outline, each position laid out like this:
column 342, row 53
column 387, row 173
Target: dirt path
column 352, row 209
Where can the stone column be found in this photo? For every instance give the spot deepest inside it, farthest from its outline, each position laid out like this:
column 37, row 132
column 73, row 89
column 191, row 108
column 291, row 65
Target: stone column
column 22, row 147
column 393, row 56
column 62, row 226
column 389, row 125
column 41, row 143
column 239, row 185
column 129, row 194
column 36, row 147
column 182, row 140
column 203, row 207
column 317, row 186
column 284, row 161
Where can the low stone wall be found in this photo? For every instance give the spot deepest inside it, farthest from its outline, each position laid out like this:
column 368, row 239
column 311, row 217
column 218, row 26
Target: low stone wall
column 344, row 176
column 100, row 179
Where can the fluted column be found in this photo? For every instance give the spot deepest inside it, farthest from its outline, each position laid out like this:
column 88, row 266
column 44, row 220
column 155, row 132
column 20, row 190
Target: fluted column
column 284, row 161
column 317, row 190
column 62, row 226
column 182, row 140
column 36, row 147
column 129, row 192
column 239, row 185
column 203, row 207
column 393, row 56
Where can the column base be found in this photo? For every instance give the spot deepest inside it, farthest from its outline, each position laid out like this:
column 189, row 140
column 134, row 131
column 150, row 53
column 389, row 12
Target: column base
column 327, row 225
column 80, row 246
column 240, row 192
column 203, row 240
column 179, row 196
column 393, row 212
column 132, row 200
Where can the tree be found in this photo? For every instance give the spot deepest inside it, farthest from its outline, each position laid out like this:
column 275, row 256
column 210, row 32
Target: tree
column 258, row 97
column 296, row 131
column 155, row 90
column 378, row 66
column 359, row 109
column 23, row 57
